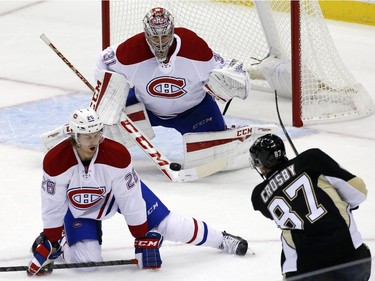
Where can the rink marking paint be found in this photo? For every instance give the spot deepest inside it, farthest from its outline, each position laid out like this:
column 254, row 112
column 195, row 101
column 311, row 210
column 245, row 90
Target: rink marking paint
column 20, row 8
column 37, row 84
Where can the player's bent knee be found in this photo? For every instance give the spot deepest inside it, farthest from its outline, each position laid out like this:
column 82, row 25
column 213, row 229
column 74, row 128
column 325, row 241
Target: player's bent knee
column 83, row 251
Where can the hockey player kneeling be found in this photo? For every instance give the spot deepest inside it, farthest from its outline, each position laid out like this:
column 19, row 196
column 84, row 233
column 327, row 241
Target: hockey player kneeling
column 88, row 178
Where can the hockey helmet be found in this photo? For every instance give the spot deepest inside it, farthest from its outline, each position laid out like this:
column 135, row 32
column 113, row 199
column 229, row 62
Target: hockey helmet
column 158, row 26
column 268, row 151
column 85, row 121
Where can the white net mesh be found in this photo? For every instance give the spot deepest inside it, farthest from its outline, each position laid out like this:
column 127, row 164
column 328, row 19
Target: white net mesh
column 236, row 29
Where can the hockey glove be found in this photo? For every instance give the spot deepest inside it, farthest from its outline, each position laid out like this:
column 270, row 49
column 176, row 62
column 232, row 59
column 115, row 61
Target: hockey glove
column 228, row 82
column 147, row 250
column 44, row 256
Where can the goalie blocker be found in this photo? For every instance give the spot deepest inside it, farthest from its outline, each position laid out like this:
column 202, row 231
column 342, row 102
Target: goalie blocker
column 109, row 101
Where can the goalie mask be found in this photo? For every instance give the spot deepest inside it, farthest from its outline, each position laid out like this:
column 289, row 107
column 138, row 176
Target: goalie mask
column 158, row 25
column 268, row 151
column 85, row 121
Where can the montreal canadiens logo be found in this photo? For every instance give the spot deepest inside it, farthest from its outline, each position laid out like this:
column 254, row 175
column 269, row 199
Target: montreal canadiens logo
column 158, row 21
column 167, row 87
column 86, row 197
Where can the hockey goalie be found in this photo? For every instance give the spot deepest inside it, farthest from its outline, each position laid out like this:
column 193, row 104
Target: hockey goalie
column 169, row 77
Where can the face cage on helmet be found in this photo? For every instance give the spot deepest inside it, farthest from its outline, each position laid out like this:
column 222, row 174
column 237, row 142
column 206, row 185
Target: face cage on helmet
column 160, row 49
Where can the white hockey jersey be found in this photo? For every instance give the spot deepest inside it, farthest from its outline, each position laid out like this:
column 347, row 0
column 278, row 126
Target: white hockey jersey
column 98, row 191
column 166, row 89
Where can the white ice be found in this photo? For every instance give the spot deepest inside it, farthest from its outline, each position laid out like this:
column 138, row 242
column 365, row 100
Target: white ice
column 38, row 92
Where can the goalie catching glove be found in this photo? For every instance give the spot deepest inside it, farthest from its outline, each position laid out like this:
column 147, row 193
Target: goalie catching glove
column 147, row 250
column 228, row 82
column 44, row 255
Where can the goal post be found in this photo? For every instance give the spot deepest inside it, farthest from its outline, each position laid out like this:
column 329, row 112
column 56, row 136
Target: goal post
column 106, row 27
column 295, row 19
column 323, row 88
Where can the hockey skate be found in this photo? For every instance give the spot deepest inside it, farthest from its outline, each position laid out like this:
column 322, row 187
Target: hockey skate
column 233, row 244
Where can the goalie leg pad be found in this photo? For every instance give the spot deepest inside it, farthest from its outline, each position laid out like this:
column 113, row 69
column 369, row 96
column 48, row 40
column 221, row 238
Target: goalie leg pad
column 137, row 113
column 232, row 144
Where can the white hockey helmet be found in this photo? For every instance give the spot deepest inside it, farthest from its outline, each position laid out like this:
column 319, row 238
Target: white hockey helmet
column 85, row 121
column 158, row 25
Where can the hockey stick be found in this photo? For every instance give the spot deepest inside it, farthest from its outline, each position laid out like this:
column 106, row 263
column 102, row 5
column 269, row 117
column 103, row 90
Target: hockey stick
column 49, row 43
column 227, row 106
column 170, row 169
column 73, row 265
column 283, row 127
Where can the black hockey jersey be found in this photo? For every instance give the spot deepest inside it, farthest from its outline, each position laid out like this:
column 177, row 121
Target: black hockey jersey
column 310, row 198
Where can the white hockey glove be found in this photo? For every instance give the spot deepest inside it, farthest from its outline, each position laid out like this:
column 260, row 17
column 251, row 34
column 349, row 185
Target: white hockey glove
column 228, row 82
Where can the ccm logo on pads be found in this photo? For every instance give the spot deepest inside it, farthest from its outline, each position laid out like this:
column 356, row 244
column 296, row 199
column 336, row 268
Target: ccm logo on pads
column 244, row 132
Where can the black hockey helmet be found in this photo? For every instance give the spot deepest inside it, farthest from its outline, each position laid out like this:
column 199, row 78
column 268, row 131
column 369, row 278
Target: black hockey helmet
column 268, row 151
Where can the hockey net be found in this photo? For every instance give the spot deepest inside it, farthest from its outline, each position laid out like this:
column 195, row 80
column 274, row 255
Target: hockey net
column 249, row 31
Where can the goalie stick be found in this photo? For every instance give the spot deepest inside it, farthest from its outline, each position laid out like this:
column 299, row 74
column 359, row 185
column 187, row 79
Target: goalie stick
column 73, row 265
column 49, row 43
column 170, row 169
